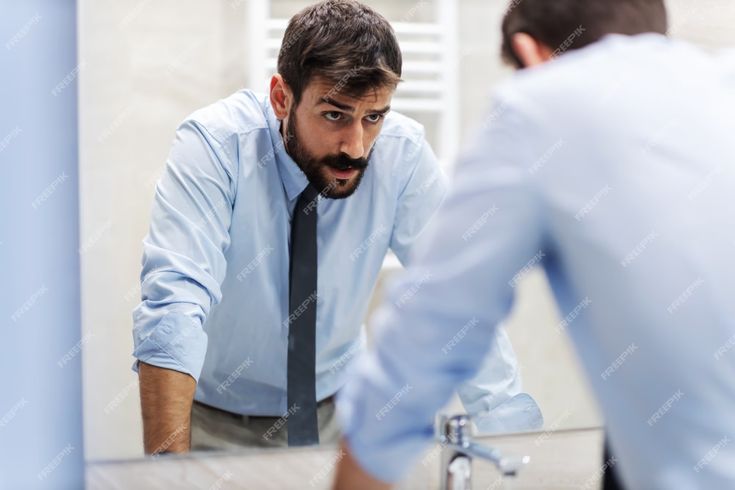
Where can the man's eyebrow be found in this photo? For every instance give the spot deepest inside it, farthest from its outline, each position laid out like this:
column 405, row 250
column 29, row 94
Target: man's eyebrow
column 348, row 108
column 384, row 110
column 328, row 100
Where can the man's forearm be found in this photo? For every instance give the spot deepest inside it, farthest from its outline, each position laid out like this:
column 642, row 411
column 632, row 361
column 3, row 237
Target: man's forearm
column 166, row 397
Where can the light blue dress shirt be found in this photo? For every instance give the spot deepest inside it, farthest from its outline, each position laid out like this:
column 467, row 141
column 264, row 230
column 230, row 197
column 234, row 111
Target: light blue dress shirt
column 216, row 260
column 612, row 167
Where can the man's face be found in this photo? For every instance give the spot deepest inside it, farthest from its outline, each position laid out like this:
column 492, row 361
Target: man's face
column 330, row 135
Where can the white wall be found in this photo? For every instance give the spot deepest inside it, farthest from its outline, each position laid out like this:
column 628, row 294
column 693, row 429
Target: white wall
column 147, row 64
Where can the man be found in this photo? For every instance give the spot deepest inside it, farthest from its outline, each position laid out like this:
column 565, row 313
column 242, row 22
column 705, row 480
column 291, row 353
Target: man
column 269, row 229
column 611, row 161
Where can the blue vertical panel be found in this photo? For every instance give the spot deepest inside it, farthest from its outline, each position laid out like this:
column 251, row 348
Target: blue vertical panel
column 40, row 363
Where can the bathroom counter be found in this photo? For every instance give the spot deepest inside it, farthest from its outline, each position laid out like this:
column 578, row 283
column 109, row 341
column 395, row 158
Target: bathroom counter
column 559, row 460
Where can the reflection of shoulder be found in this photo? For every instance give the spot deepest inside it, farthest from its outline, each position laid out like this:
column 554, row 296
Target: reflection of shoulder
column 240, row 113
column 400, row 136
column 401, row 148
column 400, row 127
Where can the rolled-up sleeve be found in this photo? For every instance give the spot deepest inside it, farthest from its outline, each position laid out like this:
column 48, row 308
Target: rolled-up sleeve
column 439, row 318
column 183, row 253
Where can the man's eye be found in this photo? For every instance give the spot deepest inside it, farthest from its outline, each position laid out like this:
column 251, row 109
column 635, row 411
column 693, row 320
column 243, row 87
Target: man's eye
column 333, row 116
column 374, row 118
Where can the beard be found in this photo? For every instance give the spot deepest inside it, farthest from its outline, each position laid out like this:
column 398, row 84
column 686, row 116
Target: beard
column 317, row 169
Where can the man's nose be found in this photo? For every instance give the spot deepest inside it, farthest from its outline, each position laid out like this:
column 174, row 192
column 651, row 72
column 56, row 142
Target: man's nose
column 352, row 145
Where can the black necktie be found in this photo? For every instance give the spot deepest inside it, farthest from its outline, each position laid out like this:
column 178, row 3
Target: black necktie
column 302, row 420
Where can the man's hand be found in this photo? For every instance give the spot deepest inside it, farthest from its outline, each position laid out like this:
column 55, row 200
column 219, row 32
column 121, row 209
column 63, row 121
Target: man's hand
column 166, row 397
column 350, row 476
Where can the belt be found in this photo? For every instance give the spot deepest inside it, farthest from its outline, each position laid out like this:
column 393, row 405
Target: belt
column 319, row 404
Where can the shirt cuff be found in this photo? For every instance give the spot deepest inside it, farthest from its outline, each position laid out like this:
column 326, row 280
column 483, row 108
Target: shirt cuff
column 177, row 342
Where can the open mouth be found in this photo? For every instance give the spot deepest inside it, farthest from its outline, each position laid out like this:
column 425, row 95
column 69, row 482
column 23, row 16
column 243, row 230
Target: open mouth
column 343, row 174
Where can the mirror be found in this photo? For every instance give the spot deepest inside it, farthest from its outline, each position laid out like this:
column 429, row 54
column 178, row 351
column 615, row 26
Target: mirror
column 146, row 65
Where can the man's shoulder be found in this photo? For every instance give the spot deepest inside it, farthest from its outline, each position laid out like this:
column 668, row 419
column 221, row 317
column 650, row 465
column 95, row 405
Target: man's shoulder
column 241, row 113
column 612, row 66
column 399, row 128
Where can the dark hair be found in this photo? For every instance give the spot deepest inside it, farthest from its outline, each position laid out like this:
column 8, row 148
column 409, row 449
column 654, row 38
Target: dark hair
column 572, row 24
column 345, row 43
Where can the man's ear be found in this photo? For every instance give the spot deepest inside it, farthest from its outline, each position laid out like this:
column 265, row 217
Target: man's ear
column 530, row 51
column 281, row 97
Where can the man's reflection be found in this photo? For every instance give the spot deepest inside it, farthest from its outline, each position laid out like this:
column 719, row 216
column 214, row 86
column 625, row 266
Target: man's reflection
column 269, row 228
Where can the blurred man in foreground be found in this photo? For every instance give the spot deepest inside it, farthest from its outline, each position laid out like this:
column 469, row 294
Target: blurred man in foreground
column 610, row 159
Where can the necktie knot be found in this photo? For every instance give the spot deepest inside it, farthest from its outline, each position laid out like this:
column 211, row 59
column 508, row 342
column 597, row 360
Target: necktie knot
column 310, row 192
column 307, row 202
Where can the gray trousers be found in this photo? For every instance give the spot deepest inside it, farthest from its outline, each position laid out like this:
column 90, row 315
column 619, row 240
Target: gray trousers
column 215, row 429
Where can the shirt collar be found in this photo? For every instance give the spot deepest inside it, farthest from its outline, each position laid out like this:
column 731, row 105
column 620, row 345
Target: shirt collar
column 293, row 178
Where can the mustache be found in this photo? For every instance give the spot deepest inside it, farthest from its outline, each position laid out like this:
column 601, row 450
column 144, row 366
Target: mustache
column 344, row 162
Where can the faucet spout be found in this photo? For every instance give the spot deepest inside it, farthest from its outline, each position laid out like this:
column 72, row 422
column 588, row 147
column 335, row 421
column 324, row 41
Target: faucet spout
column 458, row 450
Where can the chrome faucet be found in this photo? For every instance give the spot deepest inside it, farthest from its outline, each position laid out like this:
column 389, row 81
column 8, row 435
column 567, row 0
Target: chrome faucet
column 458, row 449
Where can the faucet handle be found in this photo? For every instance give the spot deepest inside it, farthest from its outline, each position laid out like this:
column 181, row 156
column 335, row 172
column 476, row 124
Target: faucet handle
column 455, row 434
